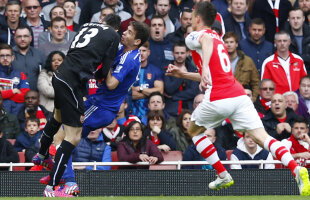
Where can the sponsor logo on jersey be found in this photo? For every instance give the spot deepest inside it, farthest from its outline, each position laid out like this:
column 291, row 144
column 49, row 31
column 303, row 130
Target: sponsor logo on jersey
column 275, row 66
column 296, row 69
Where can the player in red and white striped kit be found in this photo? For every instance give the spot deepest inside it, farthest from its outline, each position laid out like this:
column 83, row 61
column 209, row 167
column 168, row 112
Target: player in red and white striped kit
column 225, row 98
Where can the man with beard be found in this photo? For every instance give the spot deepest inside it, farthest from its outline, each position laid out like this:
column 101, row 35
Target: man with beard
column 13, row 83
column 28, row 59
column 32, row 108
column 304, row 5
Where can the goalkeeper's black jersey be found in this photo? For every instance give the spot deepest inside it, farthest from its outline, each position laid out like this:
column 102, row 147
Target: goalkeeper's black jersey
column 92, row 44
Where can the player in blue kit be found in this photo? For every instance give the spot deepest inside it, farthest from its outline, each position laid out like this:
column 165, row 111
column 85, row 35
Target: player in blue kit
column 102, row 107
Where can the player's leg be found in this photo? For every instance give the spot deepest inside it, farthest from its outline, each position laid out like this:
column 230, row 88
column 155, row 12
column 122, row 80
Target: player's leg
column 246, row 118
column 72, row 138
column 95, row 116
column 70, row 102
column 50, row 129
column 279, row 151
column 68, row 178
column 204, row 115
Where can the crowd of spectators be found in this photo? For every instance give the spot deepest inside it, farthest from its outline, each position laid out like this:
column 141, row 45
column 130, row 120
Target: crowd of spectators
column 269, row 49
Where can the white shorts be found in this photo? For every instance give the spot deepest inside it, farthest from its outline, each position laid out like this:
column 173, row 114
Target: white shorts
column 240, row 111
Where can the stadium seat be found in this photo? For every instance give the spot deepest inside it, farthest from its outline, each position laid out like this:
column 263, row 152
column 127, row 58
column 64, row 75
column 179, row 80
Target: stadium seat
column 168, row 156
column 114, row 159
column 12, row 141
column 21, row 160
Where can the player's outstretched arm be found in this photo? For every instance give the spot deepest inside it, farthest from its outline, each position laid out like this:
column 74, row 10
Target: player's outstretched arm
column 175, row 71
column 207, row 49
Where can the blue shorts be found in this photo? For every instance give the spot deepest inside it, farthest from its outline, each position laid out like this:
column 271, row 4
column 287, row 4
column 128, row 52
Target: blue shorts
column 96, row 116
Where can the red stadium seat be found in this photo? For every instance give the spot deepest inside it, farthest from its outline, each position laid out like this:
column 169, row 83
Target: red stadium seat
column 168, row 156
column 21, row 160
column 114, row 159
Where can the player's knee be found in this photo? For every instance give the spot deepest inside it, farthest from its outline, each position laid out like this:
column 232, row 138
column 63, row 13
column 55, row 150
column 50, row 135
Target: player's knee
column 73, row 135
column 194, row 130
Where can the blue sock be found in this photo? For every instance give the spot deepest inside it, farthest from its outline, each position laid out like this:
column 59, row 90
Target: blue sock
column 69, row 175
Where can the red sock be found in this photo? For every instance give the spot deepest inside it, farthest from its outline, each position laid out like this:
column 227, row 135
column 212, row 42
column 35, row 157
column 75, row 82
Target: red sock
column 208, row 152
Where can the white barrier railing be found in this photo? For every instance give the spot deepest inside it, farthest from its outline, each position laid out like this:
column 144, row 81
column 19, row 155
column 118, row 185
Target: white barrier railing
column 177, row 163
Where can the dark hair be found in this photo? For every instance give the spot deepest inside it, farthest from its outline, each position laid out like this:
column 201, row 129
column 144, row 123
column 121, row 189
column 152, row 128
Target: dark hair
column 58, row 19
column 301, row 119
column 156, row 114
column 207, row 12
column 113, row 20
column 180, row 44
column 157, row 94
column 296, row 9
column 185, row 10
column 158, row 17
column 248, row 87
column 24, row 26
column 6, row 46
column 72, row 1
column 142, row 31
column 48, row 62
column 142, row 142
column 257, row 21
column 32, row 119
column 231, row 34
column 50, row 14
column 9, row 3
column 304, row 77
column 180, row 118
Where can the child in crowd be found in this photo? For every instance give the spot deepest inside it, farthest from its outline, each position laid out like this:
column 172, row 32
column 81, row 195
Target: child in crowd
column 30, row 135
